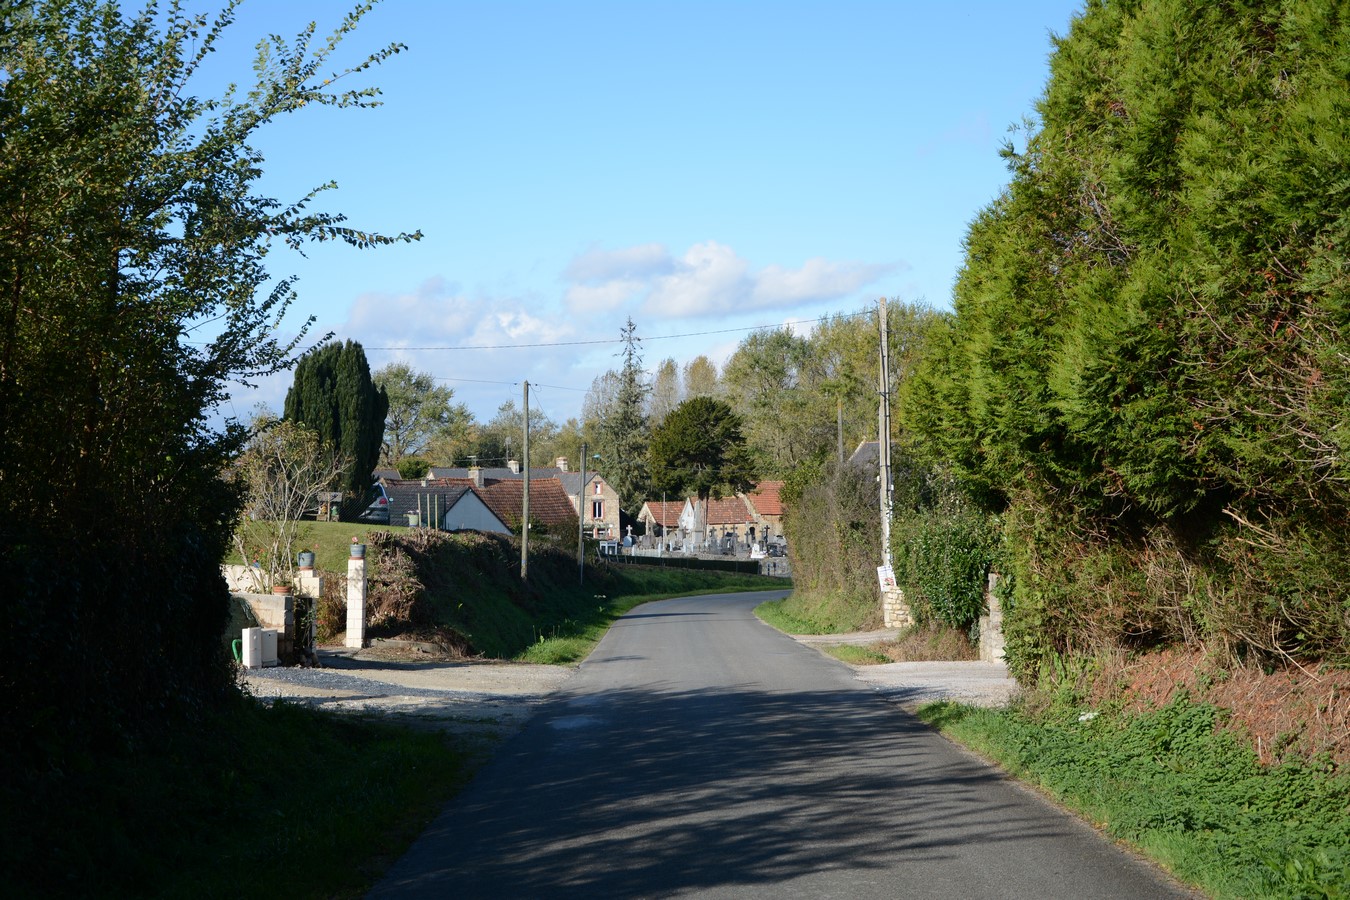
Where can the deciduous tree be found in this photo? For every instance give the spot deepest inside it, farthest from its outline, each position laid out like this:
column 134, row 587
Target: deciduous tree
column 420, row 412
column 132, row 296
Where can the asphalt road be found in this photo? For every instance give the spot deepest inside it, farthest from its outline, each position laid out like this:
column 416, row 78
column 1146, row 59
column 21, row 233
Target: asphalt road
column 699, row 752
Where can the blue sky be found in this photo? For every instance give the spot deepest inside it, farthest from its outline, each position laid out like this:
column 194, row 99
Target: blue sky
column 701, row 167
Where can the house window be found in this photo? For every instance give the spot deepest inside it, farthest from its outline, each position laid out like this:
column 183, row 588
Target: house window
column 597, row 489
column 597, row 509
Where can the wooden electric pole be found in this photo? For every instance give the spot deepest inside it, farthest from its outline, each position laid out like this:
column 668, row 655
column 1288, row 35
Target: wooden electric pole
column 525, row 496
column 581, row 520
column 884, row 437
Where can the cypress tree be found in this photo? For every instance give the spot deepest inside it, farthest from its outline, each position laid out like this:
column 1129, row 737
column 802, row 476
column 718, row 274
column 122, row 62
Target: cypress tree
column 334, row 396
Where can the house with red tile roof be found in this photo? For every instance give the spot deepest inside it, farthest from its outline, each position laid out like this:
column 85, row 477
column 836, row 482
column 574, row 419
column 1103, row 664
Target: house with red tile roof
column 549, row 504
column 755, row 517
column 660, row 519
column 766, row 505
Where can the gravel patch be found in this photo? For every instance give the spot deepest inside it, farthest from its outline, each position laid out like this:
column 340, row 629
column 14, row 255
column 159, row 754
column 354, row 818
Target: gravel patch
column 476, row 699
column 912, row 684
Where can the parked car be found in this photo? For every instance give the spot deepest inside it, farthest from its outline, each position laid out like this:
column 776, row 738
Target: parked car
column 377, row 512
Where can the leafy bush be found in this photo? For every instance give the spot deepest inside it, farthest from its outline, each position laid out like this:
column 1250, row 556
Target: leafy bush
column 943, row 547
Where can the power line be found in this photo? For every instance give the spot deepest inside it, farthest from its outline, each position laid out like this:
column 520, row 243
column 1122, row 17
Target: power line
column 659, row 337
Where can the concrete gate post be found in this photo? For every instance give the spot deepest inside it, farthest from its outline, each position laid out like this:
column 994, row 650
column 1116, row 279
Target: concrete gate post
column 356, row 602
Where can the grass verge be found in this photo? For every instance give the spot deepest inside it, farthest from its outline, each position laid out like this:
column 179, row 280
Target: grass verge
column 856, row 655
column 277, row 801
column 1190, row 795
column 821, row 614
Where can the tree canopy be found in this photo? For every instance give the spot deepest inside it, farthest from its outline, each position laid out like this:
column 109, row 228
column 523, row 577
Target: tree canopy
column 334, row 396
column 623, row 429
column 1148, row 364
column 420, row 413
column 132, row 294
column 700, row 449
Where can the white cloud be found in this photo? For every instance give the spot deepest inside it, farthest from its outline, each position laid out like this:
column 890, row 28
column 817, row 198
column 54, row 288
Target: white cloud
column 818, row 279
column 592, row 298
column 596, row 265
column 708, row 279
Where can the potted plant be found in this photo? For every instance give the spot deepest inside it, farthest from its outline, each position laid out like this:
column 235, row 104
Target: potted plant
column 358, row 548
column 306, row 559
column 281, row 586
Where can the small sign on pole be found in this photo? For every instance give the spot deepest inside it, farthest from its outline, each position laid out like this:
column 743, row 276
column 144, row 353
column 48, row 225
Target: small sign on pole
column 887, row 577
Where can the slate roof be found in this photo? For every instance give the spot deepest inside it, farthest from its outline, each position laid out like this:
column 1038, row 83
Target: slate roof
column 571, row 481
column 765, row 500
column 499, row 473
column 403, row 496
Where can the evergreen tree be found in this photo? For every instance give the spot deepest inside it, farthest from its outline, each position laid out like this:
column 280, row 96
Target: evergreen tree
column 1148, row 363
column 333, row 395
column 699, row 449
column 623, row 430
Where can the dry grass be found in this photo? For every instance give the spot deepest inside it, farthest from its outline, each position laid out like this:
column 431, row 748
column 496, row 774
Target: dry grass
column 929, row 643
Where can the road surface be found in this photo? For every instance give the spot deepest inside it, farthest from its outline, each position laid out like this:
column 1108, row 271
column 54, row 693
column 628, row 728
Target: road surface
column 700, row 753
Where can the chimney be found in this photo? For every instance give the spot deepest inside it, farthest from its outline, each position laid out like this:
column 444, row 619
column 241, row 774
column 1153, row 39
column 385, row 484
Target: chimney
column 561, row 463
column 476, row 476
column 513, row 465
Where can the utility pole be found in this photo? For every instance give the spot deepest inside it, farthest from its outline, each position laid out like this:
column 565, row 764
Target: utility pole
column 839, row 412
column 884, row 437
column 525, row 497
column 581, row 520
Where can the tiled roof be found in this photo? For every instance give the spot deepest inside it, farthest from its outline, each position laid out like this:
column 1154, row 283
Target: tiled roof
column 549, row 503
column 729, row 511
column 571, row 481
column 665, row 513
column 765, row 500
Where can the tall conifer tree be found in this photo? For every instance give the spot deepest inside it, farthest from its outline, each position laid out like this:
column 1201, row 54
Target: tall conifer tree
column 334, row 396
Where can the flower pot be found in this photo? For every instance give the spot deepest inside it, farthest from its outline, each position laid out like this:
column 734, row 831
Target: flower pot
column 358, row 551
column 306, row 559
column 414, row 519
column 281, row 588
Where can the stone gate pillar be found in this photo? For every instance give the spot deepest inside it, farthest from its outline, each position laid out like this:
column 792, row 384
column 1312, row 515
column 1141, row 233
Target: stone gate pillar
column 356, row 598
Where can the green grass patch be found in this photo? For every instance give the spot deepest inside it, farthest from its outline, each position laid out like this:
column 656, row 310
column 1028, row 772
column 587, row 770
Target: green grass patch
column 281, row 801
column 855, row 655
column 330, row 541
column 1189, row 794
column 821, row 614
